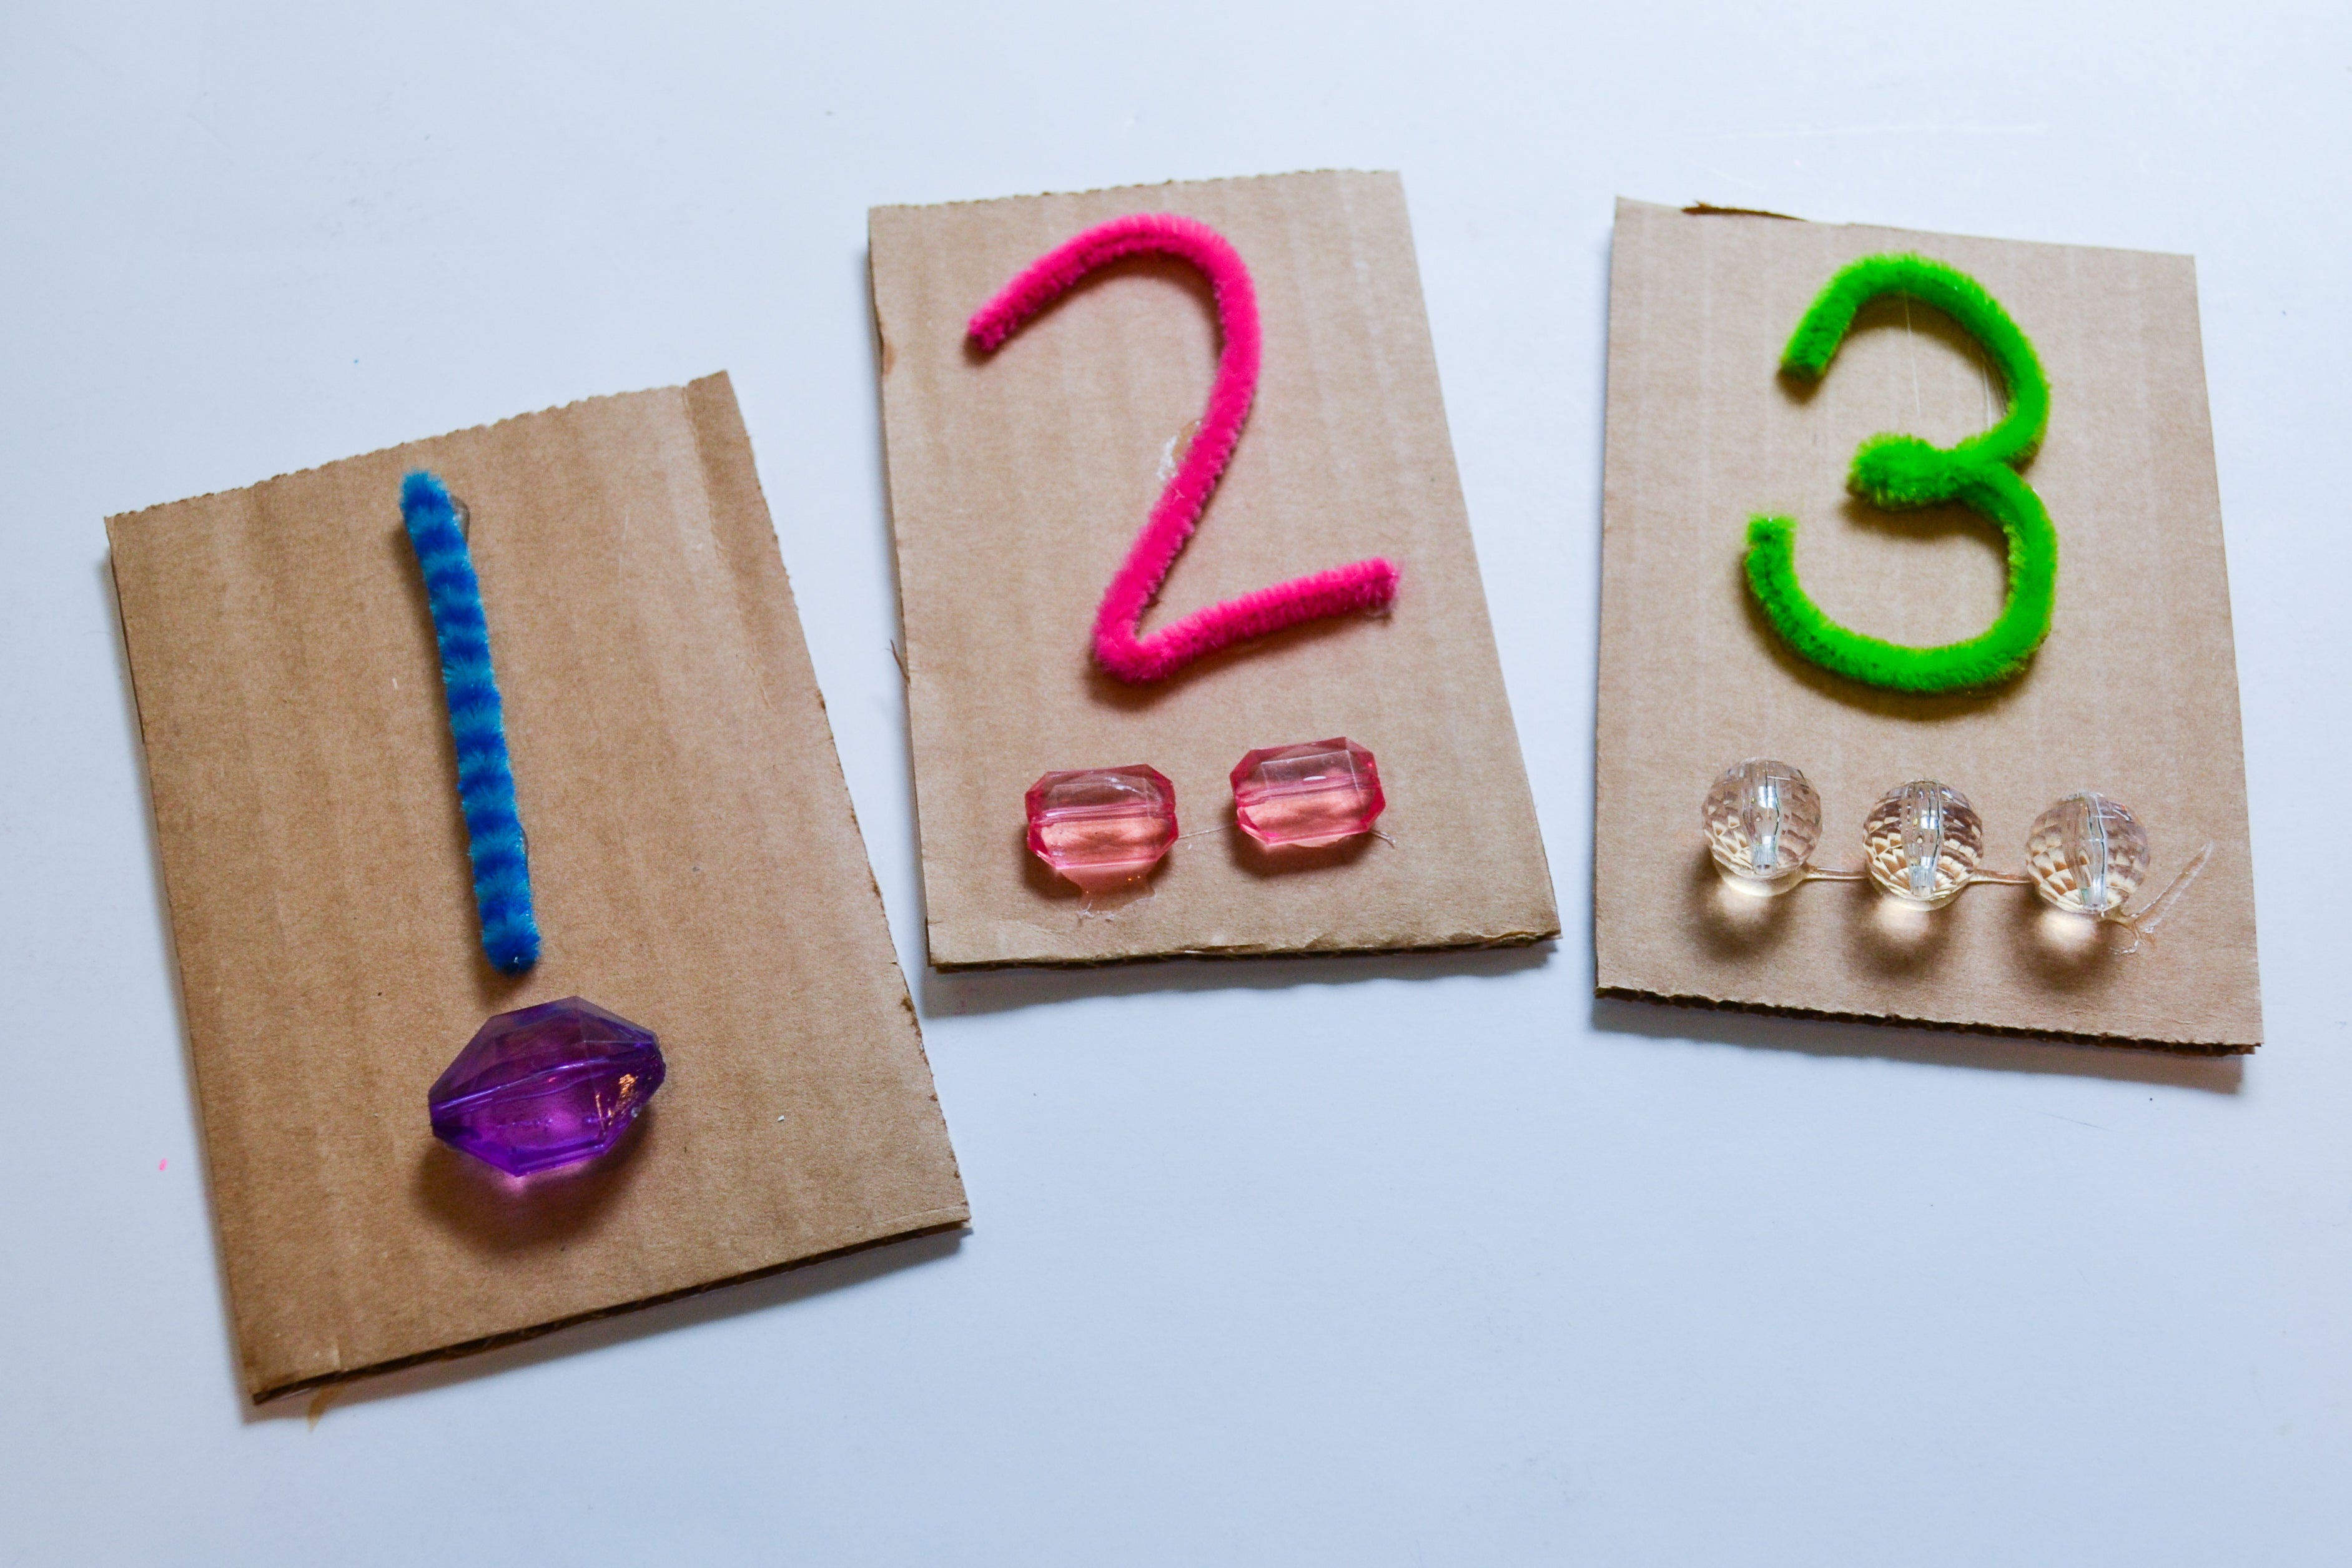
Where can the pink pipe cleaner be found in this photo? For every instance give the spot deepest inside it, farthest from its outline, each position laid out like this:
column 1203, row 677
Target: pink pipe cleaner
column 1119, row 646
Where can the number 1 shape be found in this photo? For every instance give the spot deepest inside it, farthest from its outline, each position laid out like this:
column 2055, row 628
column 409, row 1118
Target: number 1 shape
column 1119, row 646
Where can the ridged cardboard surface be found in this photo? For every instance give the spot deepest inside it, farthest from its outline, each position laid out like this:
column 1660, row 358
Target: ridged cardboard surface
column 1018, row 480
column 696, row 863
column 2134, row 694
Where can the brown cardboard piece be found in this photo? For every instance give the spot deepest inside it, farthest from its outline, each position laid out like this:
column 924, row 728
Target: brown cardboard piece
column 2135, row 693
column 1018, row 482
column 696, row 863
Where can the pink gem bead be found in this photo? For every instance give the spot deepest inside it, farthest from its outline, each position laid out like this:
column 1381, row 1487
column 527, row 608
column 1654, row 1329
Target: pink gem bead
column 1302, row 796
column 1103, row 827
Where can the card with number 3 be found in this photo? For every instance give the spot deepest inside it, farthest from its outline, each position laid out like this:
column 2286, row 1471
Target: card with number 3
column 1900, row 509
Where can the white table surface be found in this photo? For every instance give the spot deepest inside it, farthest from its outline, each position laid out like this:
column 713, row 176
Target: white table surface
column 1423, row 1261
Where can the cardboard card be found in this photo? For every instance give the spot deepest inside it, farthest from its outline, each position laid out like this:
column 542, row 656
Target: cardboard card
column 696, row 863
column 2134, row 694
column 1018, row 482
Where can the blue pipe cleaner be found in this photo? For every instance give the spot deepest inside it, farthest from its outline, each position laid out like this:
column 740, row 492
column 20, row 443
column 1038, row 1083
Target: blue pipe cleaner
column 494, row 835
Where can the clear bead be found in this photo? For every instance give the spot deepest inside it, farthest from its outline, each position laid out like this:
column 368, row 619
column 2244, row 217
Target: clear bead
column 1762, row 820
column 1922, row 840
column 2088, row 853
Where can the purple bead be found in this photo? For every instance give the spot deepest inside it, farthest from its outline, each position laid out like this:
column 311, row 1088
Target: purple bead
column 545, row 1086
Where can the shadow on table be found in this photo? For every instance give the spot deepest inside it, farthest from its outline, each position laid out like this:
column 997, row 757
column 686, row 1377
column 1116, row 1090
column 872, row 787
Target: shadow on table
column 1932, row 1047
column 965, row 991
column 782, row 1289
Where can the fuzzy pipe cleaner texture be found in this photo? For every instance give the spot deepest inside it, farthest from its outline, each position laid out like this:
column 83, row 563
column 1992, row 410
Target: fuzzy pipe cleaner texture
column 1901, row 472
column 1118, row 645
column 494, row 835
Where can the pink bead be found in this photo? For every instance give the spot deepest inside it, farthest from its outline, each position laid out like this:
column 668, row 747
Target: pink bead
column 1302, row 796
column 1103, row 827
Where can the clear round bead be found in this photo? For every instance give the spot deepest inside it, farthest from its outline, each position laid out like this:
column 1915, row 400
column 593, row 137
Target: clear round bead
column 1762, row 820
column 1922, row 840
column 2087, row 854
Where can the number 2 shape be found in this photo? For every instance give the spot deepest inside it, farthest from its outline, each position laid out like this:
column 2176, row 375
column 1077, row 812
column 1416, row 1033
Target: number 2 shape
column 1903, row 471
column 1118, row 645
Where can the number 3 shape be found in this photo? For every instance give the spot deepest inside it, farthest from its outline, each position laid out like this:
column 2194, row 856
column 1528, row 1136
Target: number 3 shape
column 1363, row 585
column 1900, row 471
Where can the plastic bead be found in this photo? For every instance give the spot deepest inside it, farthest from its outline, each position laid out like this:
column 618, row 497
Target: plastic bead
column 2087, row 854
column 1922, row 842
column 1763, row 819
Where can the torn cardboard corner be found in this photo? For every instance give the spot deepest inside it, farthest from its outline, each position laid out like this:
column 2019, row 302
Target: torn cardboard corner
column 694, row 857
column 2134, row 694
column 1018, row 482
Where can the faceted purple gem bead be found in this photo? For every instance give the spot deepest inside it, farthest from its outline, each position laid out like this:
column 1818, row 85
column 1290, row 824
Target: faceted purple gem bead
column 546, row 1086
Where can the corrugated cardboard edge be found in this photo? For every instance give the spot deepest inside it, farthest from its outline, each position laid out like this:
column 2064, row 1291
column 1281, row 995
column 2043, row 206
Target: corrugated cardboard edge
column 1710, row 210
column 1467, row 945
column 1111, row 190
column 115, row 519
